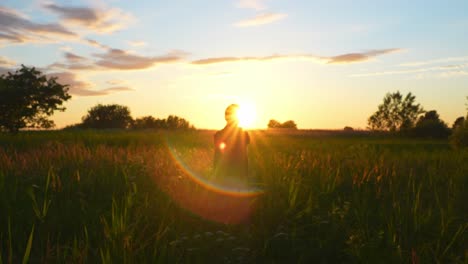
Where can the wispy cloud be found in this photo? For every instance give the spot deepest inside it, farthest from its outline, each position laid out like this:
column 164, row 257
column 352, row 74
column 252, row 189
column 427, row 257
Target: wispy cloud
column 97, row 20
column 252, row 4
column 137, row 43
column 434, row 61
column 84, row 88
column 15, row 27
column 5, row 62
column 73, row 57
column 339, row 59
column 115, row 59
column 261, row 19
column 432, row 68
column 123, row 60
column 357, row 57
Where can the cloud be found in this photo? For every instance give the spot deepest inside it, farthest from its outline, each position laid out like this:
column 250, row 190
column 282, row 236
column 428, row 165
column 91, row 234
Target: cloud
column 17, row 28
column 116, row 59
column 252, row 4
column 83, row 88
column 435, row 61
column 339, row 59
column 357, row 57
column 71, row 57
column 94, row 43
column 435, row 71
column 97, row 20
column 5, row 62
column 261, row 19
column 137, row 43
column 123, row 60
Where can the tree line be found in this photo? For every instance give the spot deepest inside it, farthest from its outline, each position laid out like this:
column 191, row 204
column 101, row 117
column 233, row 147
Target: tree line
column 28, row 98
column 114, row 116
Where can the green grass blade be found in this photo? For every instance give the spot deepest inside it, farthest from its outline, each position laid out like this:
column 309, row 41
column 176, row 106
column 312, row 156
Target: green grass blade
column 27, row 252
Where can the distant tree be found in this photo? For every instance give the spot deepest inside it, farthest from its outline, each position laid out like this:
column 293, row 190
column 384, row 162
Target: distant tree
column 459, row 137
column 28, row 98
column 175, row 122
column 348, row 129
column 107, row 116
column 172, row 122
column 458, row 122
column 430, row 125
column 396, row 113
column 274, row 124
column 289, row 124
column 74, row 126
column 144, row 122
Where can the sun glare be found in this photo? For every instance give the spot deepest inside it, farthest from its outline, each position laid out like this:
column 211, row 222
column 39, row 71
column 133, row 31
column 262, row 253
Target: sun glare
column 246, row 115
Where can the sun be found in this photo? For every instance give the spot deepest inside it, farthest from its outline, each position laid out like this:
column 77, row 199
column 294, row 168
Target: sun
column 246, row 115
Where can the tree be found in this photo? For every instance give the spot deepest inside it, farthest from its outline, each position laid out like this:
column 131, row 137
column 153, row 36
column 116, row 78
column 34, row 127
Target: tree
column 458, row 122
column 459, row 136
column 430, row 125
column 107, row 116
column 289, row 124
column 28, row 98
column 396, row 113
column 172, row 122
column 274, row 124
column 175, row 122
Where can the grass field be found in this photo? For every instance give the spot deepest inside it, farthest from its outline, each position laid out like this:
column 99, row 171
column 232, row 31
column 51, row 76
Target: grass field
column 145, row 197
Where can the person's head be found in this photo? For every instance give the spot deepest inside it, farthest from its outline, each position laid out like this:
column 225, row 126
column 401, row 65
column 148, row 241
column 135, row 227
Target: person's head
column 231, row 114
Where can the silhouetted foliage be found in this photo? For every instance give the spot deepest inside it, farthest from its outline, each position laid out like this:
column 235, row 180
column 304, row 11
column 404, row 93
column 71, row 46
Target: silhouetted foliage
column 274, row 124
column 107, row 116
column 458, row 122
column 290, row 124
column 430, row 125
column 459, row 137
column 28, row 98
column 348, row 129
column 171, row 122
column 396, row 113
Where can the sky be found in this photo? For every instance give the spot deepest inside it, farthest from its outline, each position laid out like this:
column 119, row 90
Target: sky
column 323, row 64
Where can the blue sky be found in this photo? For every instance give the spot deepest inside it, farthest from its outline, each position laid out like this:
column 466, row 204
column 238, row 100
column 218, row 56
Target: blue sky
column 324, row 64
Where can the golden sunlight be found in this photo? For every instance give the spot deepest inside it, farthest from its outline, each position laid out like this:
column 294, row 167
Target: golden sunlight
column 246, row 115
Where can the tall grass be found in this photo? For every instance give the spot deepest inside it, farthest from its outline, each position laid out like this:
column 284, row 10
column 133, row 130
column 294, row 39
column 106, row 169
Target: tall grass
column 120, row 197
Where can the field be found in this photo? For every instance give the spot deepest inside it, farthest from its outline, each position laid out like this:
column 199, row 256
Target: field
column 148, row 197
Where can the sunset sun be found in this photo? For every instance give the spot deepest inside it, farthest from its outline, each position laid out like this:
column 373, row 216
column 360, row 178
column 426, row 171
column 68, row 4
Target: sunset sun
column 246, row 115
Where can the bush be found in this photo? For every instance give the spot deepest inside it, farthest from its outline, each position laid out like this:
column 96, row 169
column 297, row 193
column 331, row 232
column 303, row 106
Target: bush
column 459, row 138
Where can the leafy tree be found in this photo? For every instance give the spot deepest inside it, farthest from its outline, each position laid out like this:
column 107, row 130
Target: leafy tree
column 458, row 122
column 396, row 113
column 348, row 129
column 107, row 116
column 289, row 124
column 172, row 122
column 430, row 125
column 28, row 98
column 459, row 136
column 175, row 122
column 274, row 124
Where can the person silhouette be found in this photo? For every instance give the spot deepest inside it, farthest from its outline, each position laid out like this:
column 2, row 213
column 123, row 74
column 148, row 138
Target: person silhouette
column 230, row 160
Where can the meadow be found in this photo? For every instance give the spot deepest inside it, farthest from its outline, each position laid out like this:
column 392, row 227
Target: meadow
column 146, row 197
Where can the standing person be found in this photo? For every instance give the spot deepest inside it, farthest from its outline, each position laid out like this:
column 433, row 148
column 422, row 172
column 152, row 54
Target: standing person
column 230, row 161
